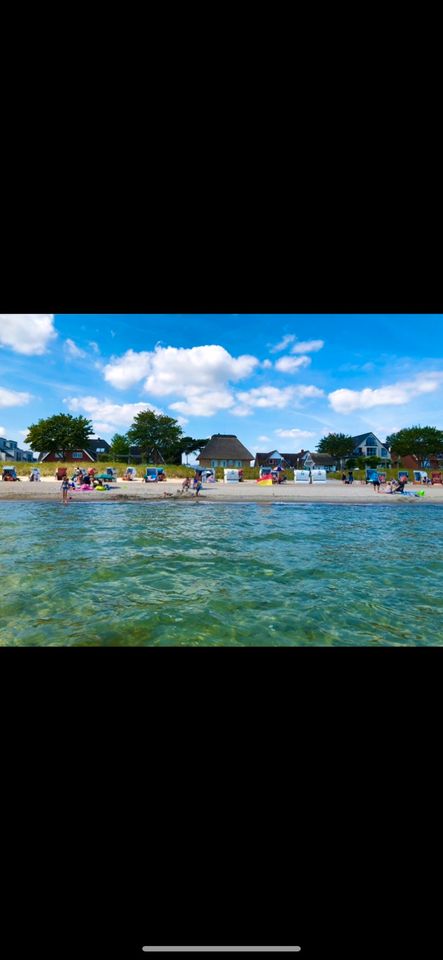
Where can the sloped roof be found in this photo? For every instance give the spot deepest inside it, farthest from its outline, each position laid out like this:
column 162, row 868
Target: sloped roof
column 95, row 442
column 362, row 436
column 224, row 446
column 322, row 459
column 262, row 458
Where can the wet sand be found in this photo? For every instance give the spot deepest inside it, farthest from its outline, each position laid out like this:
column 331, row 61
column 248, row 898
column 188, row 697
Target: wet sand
column 333, row 491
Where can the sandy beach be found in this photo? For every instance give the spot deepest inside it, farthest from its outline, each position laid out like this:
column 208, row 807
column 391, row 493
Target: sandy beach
column 333, row 491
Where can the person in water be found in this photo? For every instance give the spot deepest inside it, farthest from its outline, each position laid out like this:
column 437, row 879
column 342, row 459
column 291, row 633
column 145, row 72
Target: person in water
column 65, row 487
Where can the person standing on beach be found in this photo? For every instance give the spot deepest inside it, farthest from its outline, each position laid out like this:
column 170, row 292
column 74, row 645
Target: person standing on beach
column 65, row 488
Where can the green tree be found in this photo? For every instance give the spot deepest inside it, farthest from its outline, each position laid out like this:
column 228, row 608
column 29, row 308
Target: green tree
column 59, row 434
column 351, row 463
column 372, row 462
column 421, row 442
column 189, row 444
column 338, row 445
column 155, row 434
column 119, row 445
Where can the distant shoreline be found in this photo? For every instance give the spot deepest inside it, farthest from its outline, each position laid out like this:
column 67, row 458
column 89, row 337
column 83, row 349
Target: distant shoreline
column 332, row 492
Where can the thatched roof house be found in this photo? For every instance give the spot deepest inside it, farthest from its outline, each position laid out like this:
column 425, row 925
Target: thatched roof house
column 224, row 450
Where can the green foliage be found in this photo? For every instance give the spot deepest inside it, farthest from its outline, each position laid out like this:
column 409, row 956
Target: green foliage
column 59, row 433
column 372, row 462
column 351, row 463
column 156, row 434
column 339, row 445
column 418, row 441
column 119, row 445
column 189, row 444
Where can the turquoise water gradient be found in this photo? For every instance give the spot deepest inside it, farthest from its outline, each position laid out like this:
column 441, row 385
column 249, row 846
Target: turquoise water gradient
column 220, row 574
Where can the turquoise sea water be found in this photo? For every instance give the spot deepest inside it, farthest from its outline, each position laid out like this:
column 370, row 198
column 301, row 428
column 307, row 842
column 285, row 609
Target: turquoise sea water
column 220, row 574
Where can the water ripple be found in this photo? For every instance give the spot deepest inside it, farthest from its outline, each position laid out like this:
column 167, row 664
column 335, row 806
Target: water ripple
column 236, row 575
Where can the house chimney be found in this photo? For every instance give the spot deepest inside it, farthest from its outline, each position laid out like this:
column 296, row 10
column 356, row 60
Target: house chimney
column 301, row 452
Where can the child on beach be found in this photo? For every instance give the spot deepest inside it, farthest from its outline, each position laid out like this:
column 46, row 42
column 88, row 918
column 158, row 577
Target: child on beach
column 65, row 487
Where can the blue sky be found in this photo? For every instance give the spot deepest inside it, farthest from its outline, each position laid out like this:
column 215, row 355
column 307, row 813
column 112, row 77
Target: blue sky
column 278, row 382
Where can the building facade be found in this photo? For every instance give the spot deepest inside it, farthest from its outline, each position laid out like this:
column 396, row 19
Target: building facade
column 92, row 450
column 224, row 450
column 276, row 459
column 368, row 445
column 9, row 450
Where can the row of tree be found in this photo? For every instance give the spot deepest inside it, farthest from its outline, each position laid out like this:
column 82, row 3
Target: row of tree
column 157, row 436
column 418, row 441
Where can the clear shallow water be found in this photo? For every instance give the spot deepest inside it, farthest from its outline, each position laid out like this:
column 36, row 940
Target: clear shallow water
column 223, row 574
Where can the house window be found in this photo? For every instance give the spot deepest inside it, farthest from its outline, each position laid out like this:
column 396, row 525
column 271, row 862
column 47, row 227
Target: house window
column 77, row 456
column 99, row 449
column 384, row 452
column 213, row 463
column 371, row 451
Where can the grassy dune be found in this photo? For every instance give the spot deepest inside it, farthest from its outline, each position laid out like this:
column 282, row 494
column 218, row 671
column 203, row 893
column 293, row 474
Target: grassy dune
column 172, row 470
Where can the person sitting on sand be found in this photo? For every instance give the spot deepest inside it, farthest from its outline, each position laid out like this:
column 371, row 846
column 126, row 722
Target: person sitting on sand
column 186, row 485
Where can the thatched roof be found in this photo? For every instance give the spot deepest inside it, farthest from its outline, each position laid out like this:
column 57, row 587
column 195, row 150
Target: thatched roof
column 224, row 446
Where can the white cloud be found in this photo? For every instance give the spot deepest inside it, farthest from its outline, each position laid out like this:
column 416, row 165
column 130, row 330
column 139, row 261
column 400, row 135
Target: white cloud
column 123, row 372
column 2, row 431
column 72, row 351
column 287, row 339
column 203, row 403
column 27, row 333
column 291, row 364
column 263, row 438
column 308, row 346
column 273, row 397
column 12, row 398
column 295, row 433
column 267, row 364
column 94, row 346
column 178, row 370
column 345, row 401
column 107, row 417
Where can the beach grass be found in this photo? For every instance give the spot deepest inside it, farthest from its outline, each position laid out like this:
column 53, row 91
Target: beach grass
column 174, row 471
